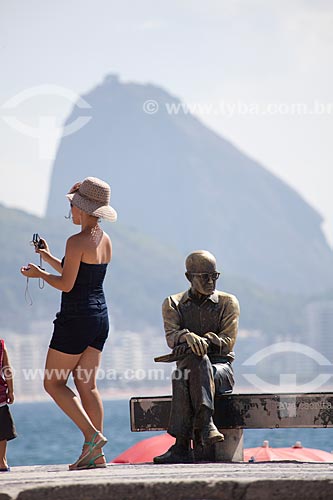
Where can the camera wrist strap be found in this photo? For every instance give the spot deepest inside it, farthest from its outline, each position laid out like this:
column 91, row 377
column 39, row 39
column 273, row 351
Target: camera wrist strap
column 41, row 284
column 27, row 295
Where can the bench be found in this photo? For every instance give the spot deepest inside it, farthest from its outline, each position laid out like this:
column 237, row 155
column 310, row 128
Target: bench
column 235, row 412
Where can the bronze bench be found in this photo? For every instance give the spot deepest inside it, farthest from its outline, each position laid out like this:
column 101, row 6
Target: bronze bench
column 235, row 412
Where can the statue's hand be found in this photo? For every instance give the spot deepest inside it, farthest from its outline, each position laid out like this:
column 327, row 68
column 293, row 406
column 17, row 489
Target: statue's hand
column 216, row 340
column 198, row 344
column 180, row 349
column 212, row 337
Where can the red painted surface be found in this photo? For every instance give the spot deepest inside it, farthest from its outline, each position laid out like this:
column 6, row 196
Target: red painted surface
column 147, row 449
column 265, row 453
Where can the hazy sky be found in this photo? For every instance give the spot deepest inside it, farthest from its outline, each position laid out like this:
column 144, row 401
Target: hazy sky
column 259, row 72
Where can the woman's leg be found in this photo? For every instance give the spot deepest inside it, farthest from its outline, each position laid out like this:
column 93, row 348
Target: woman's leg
column 85, row 381
column 3, row 459
column 57, row 370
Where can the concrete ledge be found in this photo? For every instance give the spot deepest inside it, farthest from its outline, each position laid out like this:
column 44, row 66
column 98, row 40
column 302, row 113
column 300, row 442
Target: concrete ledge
column 211, row 481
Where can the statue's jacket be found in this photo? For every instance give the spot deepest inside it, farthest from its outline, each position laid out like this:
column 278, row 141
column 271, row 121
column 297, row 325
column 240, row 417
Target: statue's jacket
column 216, row 318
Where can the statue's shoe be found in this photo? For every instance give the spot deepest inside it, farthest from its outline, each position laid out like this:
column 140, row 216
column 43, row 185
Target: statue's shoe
column 175, row 455
column 211, row 435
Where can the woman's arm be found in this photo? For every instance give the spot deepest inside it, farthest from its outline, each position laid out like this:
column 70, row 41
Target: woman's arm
column 48, row 257
column 52, row 261
column 66, row 281
column 8, row 375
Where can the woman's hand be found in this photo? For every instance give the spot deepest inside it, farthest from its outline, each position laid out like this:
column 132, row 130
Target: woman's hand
column 10, row 397
column 44, row 245
column 45, row 251
column 31, row 271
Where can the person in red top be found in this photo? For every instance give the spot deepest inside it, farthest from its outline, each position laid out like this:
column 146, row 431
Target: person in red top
column 7, row 427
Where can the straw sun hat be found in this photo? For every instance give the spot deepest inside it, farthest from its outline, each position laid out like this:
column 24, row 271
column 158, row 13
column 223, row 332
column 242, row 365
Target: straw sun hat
column 93, row 197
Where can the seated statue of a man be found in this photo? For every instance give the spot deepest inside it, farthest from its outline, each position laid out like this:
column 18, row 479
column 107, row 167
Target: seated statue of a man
column 201, row 326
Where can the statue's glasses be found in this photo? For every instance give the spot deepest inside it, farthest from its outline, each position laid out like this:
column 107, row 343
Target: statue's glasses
column 207, row 276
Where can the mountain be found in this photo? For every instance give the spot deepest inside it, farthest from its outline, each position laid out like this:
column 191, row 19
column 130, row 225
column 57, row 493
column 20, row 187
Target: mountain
column 142, row 273
column 181, row 183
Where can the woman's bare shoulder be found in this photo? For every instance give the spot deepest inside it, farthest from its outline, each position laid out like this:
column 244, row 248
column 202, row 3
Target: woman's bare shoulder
column 75, row 239
column 107, row 244
column 107, row 237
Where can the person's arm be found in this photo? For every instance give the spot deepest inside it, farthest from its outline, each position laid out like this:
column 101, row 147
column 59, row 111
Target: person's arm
column 225, row 339
column 48, row 257
column 173, row 331
column 54, row 262
column 66, row 281
column 8, row 375
column 175, row 334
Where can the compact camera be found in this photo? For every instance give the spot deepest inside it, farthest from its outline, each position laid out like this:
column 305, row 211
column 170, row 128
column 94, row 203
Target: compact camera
column 37, row 242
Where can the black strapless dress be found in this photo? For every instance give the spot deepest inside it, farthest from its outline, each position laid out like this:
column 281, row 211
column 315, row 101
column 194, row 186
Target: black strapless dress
column 83, row 318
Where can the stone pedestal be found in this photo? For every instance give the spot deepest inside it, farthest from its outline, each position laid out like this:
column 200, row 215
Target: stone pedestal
column 232, row 448
column 229, row 450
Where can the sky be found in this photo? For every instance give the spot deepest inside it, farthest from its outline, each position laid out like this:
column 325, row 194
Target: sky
column 258, row 72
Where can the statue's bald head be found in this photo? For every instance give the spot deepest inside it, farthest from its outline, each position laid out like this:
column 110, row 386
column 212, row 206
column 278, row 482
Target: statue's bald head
column 200, row 261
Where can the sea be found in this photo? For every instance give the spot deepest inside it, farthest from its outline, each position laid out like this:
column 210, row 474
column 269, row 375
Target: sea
column 47, row 436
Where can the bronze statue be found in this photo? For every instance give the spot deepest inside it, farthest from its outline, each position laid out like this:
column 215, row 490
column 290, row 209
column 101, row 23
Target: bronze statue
column 201, row 326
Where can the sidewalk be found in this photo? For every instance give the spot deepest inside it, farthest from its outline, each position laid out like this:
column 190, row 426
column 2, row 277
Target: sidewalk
column 243, row 481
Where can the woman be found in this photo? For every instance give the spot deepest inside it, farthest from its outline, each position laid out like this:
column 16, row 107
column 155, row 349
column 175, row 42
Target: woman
column 81, row 326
